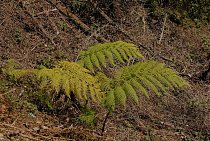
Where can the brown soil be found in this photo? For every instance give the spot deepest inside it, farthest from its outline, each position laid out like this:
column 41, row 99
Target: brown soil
column 35, row 33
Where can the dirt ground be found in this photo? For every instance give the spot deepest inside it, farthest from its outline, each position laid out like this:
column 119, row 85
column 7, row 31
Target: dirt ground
column 36, row 32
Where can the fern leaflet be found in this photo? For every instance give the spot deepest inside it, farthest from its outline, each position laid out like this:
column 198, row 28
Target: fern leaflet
column 101, row 54
column 69, row 77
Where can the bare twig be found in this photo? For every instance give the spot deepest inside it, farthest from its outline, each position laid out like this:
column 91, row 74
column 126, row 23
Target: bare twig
column 163, row 28
column 46, row 12
column 9, row 91
column 94, row 34
column 144, row 21
column 111, row 21
column 126, row 34
column 68, row 13
column 63, row 10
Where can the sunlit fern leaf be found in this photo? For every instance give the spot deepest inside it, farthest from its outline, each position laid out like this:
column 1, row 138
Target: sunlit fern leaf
column 88, row 63
column 145, row 77
column 95, row 61
column 130, row 92
column 128, row 53
column 122, row 52
column 179, row 81
column 20, row 73
column 44, row 73
column 10, row 64
column 97, row 96
column 117, row 55
column 149, row 85
column 110, row 57
column 101, row 58
column 109, row 53
column 138, row 54
column 109, row 101
column 101, row 77
column 104, row 81
column 87, row 118
column 120, row 96
column 160, row 76
column 81, row 63
column 43, row 84
column 157, row 83
column 92, row 94
column 77, row 90
column 84, row 90
column 66, row 86
column 138, row 87
column 68, row 77
column 56, row 79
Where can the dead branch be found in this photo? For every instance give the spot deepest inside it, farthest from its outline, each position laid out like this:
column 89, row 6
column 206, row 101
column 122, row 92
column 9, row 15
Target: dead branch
column 111, row 21
column 66, row 12
column 69, row 14
column 127, row 35
column 163, row 28
column 45, row 12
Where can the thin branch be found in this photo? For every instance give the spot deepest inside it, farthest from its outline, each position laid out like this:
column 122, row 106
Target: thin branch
column 45, row 12
column 9, row 91
column 163, row 28
column 144, row 21
column 68, row 13
column 105, row 121
column 65, row 11
column 111, row 21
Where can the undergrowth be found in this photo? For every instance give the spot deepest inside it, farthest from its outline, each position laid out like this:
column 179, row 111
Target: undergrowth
column 86, row 82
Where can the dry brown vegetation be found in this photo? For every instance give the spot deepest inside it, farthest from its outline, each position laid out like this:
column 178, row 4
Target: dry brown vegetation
column 41, row 32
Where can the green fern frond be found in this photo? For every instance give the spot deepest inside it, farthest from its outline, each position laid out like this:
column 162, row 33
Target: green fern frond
column 117, row 55
column 104, row 81
column 120, row 96
column 109, row 55
column 101, row 54
column 101, row 58
column 142, row 77
column 109, row 101
column 152, row 76
column 95, row 61
column 123, row 54
column 66, row 86
column 130, row 92
column 88, row 117
column 68, row 77
column 148, row 84
column 138, row 87
column 88, row 64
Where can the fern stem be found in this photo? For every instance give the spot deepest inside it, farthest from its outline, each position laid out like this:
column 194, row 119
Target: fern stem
column 105, row 121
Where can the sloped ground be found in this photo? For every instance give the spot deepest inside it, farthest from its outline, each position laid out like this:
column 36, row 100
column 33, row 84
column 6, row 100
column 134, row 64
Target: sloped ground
column 36, row 33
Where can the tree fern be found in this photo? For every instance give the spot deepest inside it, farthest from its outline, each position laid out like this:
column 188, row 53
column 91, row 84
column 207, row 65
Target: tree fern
column 67, row 77
column 101, row 54
column 142, row 77
column 127, row 83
